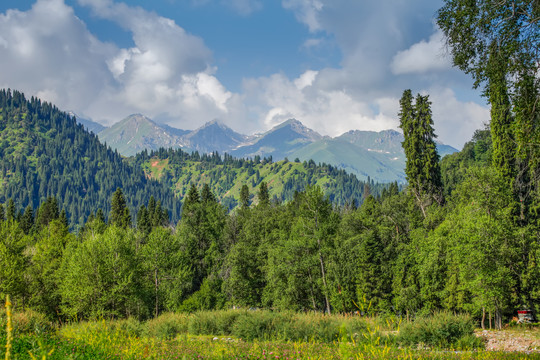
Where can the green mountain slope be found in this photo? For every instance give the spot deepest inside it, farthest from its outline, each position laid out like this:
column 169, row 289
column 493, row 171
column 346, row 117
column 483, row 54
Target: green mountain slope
column 226, row 176
column 354, row 159
column 44, row 152
column 377, row 155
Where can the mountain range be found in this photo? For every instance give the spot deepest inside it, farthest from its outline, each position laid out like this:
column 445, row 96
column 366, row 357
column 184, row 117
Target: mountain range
column 45, row 154
column 366, row 154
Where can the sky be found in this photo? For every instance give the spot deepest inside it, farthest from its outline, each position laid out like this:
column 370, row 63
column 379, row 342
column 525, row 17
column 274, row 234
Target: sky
column 335, row 65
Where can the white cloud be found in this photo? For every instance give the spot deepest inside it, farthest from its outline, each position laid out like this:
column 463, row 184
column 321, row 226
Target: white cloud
column 49, row 52
column 306, row 12
column 168, row 73
column 455, row 121
column 331, row 112
column 306, row 79
column 422, row 57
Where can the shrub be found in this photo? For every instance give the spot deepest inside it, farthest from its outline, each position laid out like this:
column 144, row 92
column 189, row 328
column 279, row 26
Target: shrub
column 167, row 326
column 131, row 326
column 261, row 325
column 442, row 330
column 27, row 322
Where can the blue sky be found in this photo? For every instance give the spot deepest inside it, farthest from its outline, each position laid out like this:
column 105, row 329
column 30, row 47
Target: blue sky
column 335, row 65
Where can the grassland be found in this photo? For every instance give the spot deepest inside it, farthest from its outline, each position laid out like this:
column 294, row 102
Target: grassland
column 265, row 335
column 226, row 181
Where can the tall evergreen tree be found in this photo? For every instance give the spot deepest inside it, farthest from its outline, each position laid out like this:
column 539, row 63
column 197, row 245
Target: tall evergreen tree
column 263, row 195
column 422, row 165
column 143, row 221
column 244, row 197
column 11, row 212
column 27, row 220
column 120, row 215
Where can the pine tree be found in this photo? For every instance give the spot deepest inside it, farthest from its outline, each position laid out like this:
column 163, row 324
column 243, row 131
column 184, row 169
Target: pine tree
column 244, row 197
column 27, row 220
column 120, row 215
column 11, row 212
column 143, row 222
column 2, row 215
column 422, row 164
column 263, row 195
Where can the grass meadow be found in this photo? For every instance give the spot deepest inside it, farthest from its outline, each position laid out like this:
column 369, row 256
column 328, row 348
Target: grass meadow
column 242, row 334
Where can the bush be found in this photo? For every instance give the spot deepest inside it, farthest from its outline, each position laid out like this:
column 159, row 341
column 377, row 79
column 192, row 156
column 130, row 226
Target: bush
column 261, row 325
column 26, row 322
column 131, row 326
column 442, row 330
column 167, row 326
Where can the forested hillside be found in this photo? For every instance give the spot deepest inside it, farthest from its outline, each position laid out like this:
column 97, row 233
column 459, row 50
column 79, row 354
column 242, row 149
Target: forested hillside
column 385, row 256
column 226, row 175
column 44, row 153
column 453, row 240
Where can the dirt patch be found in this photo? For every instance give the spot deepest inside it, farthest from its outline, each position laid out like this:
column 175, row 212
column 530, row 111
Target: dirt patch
column 511, row 340
column 155, row 163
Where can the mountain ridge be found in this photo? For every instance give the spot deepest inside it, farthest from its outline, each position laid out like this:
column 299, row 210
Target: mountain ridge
column 377, row 155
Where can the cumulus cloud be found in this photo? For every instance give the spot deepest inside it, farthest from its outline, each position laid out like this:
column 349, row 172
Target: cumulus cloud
column 307, row 11
column 167, row 74
column 332, row 112
column 455, row 121
column 422, row 57
column 384, row 51
column 49, row 52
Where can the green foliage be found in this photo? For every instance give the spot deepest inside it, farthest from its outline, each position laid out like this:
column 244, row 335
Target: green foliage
column 44, row 153
column 167, row 325
column 26, row 322
column 226, row 176
column 120, row 215
column 422, row 165
column 441, row 330
column 101, row 276
column 497, row 43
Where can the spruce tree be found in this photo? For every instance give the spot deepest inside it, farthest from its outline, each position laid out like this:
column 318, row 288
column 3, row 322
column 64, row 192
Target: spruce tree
column 422, row 164
column 11, row 212
column 192, row 198
column 207, row 195
column 263, row 195
column 120, row 215
column 244, row 197
column 27, row 220
column 143, row 222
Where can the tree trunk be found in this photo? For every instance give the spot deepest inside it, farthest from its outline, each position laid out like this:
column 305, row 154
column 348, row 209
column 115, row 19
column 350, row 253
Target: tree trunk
column 156, row 289
column 483, row 317
column 324, row 283
column 311, row 291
